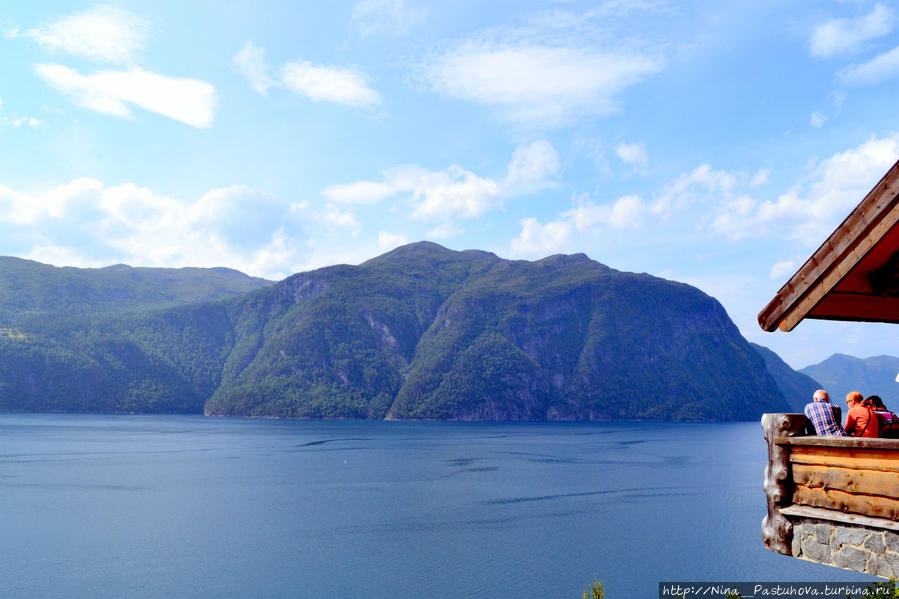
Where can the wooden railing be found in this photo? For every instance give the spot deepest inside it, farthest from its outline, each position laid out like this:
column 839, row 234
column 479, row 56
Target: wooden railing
column 854, row 475
column 846, row 480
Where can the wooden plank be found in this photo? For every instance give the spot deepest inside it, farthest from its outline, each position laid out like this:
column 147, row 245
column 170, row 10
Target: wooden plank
column 866, row 505
column 805, row 512
column 891, row 445
column 868, row 482
column 858, row 459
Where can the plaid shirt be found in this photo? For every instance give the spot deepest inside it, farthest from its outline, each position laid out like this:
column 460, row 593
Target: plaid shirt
column 821, row 413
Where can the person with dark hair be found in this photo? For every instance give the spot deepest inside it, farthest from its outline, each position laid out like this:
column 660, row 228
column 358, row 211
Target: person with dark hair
column 861, row 420
column 887, row 421
column 824, row 416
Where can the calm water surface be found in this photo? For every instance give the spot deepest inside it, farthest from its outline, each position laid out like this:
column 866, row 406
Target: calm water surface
column 146, row 506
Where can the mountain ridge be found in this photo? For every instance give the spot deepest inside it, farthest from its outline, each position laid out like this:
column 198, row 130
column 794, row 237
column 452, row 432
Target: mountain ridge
column 419, row 332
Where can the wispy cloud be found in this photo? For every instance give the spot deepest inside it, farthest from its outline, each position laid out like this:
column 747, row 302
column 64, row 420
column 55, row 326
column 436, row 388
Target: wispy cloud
column 111, row 92
column 388, row 241
column 880, row 68
column 781, row 269
column 843, row 36
column 837, row 185
column 633, row 155
column 102, row 34
column 391, row 17
column 327, row 83
column 15, row 120
column 250, row 62
column 112, row 35
column 586, row 217
column 697, row 187
column 454, row 192
column 538, row 239
column 537, row 85
column 313, row 81
column 532, row 168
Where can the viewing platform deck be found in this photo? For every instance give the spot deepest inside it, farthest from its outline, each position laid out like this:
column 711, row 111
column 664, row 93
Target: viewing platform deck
column 831, row 500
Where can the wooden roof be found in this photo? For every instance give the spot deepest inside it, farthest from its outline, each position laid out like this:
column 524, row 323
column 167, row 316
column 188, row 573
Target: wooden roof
column 854, row 275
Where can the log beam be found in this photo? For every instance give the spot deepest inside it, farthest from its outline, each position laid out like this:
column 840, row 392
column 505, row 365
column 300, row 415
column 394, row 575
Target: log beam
column 777, row 531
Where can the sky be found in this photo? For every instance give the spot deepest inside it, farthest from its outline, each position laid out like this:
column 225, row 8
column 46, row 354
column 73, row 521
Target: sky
column 715, row 143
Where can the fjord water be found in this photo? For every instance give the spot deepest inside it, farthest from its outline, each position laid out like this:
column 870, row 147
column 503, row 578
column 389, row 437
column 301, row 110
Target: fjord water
column 172, row 506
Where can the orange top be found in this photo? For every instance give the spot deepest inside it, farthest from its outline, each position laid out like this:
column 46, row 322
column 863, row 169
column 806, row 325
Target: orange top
column 862, row 422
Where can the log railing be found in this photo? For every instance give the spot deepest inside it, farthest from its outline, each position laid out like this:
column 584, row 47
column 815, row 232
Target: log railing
column 849, row 481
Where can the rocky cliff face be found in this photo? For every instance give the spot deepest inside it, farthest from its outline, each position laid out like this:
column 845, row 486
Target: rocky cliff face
column 424, row 332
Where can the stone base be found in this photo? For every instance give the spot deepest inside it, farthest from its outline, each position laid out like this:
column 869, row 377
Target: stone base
column 853, row 547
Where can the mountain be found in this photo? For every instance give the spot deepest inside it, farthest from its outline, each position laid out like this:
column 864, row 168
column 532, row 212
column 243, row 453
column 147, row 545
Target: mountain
column 797, row 388
column 840, row 374
column 421, row 332
column 30, row 289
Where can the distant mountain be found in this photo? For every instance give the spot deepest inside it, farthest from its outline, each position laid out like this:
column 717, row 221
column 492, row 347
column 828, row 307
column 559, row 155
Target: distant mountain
column 29, row 289
column 797, row 388
column 421, row 332
column 840, row 374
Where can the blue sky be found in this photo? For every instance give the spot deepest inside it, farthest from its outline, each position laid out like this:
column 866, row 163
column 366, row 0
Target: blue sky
column 716, row 143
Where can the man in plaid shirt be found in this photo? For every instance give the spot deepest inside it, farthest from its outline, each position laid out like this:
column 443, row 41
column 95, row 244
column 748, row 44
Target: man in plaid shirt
column 824, row 416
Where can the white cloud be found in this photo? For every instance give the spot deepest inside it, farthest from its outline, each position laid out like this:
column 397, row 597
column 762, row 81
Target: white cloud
column 536, row 85
column 880, row 68
column 322, row 83
column 319, row 83
column 103, row 34
column 634, row 155
column 333, row 215
column 627, row 212
column 838, row 185
column 237, row 226
column 250, row 62
column 388, row 241
column 110, row 92
column 454, row 193
column 760, row 177
column 695, row 187
column 15, row 120
column 393, row 17
column 539, row 240
column 531, row 168
column 842, row 36
column 780, row 270
column 450, row 193
column 817, row 120
column 243, row 217
column 434, row 195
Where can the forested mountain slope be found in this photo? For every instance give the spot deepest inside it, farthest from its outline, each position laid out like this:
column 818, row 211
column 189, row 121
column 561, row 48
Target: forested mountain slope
column 420, row 332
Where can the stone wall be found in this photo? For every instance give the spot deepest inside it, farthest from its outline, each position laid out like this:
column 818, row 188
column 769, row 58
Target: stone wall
column 859, row 548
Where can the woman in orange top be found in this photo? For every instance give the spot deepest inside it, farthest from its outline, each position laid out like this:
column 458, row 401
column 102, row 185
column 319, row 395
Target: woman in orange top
column 861, row 420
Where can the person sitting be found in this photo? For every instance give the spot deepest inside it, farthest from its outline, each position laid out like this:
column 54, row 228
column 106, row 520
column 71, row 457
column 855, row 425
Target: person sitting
column 887, row 421
column 825, row 417
column 861, row 420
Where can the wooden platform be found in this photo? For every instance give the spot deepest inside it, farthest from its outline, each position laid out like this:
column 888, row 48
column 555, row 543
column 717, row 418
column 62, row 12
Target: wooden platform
column 838, row 488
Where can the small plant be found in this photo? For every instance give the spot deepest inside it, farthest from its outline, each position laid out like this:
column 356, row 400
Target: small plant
column 596, row 591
